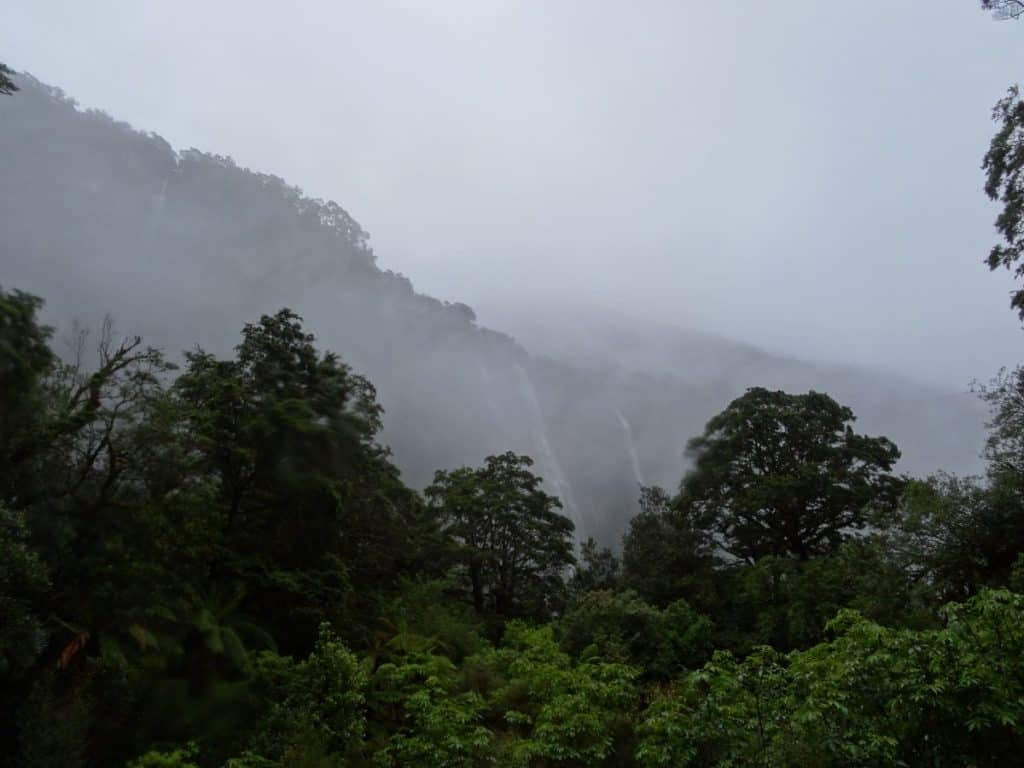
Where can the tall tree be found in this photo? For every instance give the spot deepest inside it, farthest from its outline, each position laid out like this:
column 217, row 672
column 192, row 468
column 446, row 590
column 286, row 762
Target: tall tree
column 25, row 360
column 786, row 475
column 514, row 543
column 316, row 516
column 1004, row 167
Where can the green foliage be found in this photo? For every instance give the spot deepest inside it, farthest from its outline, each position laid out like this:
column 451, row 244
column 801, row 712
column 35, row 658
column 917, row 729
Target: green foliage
column 513, row 543
column 722, row 715
column 785, row 603
column 1003, row 165
column 666, row 555
column 432, row 723
column 949, row 529
column 182, row 757
column 250, row 760
column 25, row 360
column 561, row 712
column 661, row 642
column 872, row 696
column 429, row 609
column 23, row 581
column 314, row 512
column 779, row 474
column 316, row 712
column 230, row 562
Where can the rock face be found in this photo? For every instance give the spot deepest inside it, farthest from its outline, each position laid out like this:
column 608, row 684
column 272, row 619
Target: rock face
column 185, row 247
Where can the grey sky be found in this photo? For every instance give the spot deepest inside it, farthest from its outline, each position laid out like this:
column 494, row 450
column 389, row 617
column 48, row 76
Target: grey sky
column 800, row 175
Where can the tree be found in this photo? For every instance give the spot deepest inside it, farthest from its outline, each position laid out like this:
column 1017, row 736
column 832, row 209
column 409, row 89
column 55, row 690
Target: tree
column 316, row 516
column 599, row 569
column 1004, row 9
column 25, row 361
column 565, row 713
column 786, row 475
column 622, row 627
column 666, row 555
column 1003, row 164
column 872, row 696
column 316, row 713
column 7, row 85
column 964, row 533
column 23, row 579
column 956, row 534
column 1004, row 447
column 514, row 544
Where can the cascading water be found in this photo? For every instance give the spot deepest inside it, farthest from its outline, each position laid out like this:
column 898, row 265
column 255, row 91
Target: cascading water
column 634, row 459
column 554, row 470
column 488, row 385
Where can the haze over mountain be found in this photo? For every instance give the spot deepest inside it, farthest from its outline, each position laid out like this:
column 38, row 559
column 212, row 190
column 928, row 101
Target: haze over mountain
column 184, row 247
column 806, row 180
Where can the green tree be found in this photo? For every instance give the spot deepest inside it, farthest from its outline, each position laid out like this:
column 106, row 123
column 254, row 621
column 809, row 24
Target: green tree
column 316, row 712
column 954, row 534
column 960, row 534
column 514, row 545
column 23, row 582
column 623, row 628
column 25, row 361
column 666, row 554
column 1004, row 183
column 316, row 517
column 560, row 712
column 786, row 475
column 181, row 757
column 432, row 720
column 1004, row 447
column 871, row 696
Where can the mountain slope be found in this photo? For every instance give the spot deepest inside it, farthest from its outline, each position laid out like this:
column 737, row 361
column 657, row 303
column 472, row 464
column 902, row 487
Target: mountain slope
column 184, row 247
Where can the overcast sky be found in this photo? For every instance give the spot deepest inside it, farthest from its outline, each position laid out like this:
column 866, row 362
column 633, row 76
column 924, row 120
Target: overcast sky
column 802, row 175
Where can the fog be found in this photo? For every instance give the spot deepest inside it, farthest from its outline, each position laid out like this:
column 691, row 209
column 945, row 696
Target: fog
column 803, row 177
column 647, row 211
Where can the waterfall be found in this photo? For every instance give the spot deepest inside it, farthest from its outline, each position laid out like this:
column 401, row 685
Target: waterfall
column 555, row 475
column 627, row 432
column 488, row 385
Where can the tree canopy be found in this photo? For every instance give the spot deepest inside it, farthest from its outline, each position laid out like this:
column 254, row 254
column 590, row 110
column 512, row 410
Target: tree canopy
column 781, row 474
column 513, row 543
column 219, row 567
column 1004, row 183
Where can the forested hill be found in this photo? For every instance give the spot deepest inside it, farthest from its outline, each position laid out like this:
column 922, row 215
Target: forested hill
column 184, row 247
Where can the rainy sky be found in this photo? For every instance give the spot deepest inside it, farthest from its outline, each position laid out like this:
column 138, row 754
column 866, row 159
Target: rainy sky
column 804, row 176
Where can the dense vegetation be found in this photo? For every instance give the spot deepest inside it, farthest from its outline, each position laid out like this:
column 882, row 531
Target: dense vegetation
column 220, row 566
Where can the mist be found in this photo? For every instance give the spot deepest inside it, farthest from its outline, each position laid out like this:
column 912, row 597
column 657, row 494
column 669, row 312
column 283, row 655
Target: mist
column 804, row 179
column 479, row 382
column 573, row 232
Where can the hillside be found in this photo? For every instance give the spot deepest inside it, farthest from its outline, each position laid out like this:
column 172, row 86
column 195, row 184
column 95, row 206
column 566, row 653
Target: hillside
column 181, row 246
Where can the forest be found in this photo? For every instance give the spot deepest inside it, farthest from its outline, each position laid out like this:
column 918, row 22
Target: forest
column 210, row 559
column 218, row 565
